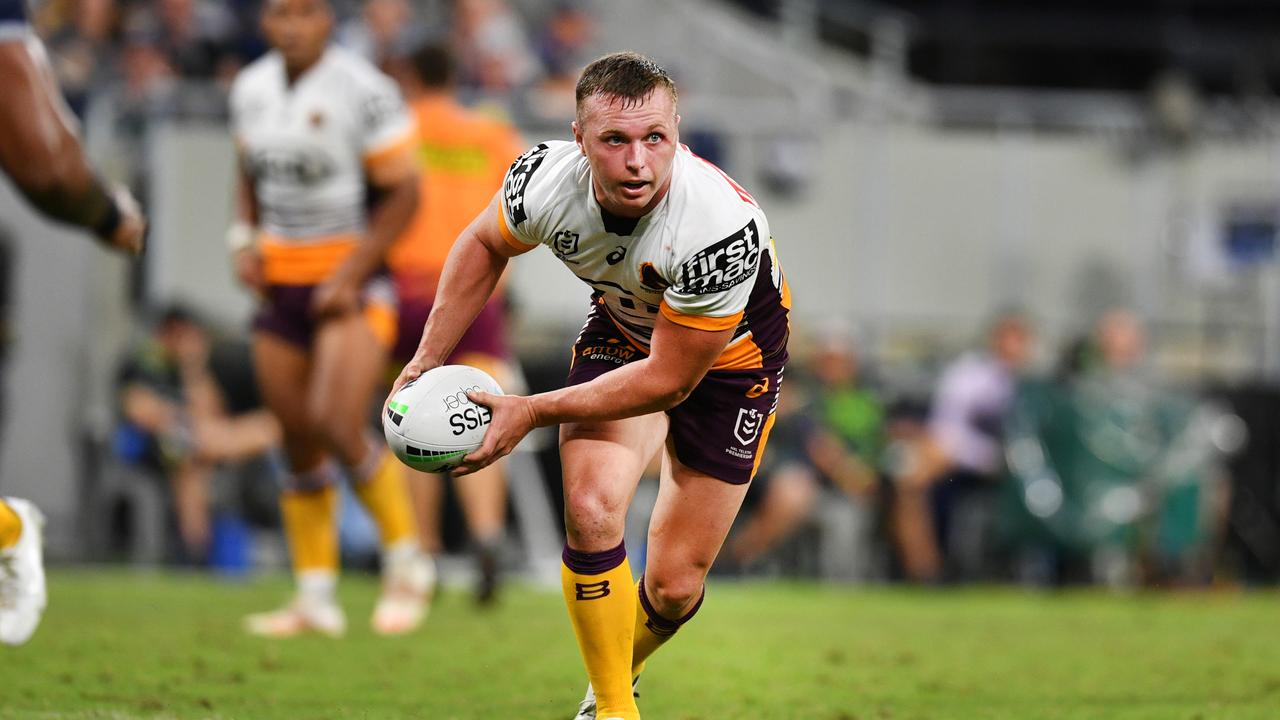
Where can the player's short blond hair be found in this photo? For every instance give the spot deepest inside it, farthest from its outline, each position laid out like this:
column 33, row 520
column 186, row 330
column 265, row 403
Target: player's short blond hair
column 627, row 76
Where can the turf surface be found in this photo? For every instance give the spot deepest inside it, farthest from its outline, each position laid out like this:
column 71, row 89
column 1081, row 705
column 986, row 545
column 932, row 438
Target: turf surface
column 125, row 645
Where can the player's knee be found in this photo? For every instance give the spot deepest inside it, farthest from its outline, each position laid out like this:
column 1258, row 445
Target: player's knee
column 672, row 596
column 592, row 517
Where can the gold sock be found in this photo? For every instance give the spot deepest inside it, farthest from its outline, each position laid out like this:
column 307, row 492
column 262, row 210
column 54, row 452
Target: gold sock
column 651, row 629
column 598, row 591
column 384, row 491
column 10, row 526
column 311, row 526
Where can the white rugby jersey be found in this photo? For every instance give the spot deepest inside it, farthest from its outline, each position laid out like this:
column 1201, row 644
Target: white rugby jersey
column 703, row 257
column 308, row 145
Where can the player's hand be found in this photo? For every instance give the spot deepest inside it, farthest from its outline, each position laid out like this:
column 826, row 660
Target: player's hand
column 412, row 371
column 334, row 297
column 130, row 234
column 513, row 418
column 247, row 263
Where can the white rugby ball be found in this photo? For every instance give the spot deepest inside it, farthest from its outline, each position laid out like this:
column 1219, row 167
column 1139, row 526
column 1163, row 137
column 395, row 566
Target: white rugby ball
column 431, row 425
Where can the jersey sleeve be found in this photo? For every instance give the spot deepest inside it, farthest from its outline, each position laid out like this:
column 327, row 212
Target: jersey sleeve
column 519, row 219
column 386, row 129
column 710, row 287
column 236, row 102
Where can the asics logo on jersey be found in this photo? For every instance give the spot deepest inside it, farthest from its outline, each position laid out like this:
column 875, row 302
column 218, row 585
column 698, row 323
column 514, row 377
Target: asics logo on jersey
column 290, row 166
column 724, row 264
column 518, row 178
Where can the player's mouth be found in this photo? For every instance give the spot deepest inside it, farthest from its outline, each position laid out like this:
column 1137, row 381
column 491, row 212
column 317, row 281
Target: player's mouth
column 634, row 188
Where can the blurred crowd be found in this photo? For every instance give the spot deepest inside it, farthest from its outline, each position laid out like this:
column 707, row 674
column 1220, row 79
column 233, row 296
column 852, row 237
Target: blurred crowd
column 159, row 57
column 997, row 467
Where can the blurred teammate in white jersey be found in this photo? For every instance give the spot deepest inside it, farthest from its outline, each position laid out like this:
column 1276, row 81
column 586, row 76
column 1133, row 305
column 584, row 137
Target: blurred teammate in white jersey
column 41, row 153
column 323, row 136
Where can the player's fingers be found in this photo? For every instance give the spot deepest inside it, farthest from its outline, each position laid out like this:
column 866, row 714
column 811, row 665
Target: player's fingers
column 480, row 397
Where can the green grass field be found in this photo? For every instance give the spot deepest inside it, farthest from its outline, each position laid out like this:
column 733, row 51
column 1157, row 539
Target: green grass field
column 123, row 645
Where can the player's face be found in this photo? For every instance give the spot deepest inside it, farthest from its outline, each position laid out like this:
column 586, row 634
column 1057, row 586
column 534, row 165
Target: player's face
column 630, row 150
column 299, row 29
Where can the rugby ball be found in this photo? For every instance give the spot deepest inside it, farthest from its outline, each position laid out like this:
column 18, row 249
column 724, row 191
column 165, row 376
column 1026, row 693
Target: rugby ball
column 430, row 424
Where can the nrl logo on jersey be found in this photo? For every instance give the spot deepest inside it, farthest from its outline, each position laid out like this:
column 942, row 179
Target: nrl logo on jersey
column 564, row 243
column 518, row 178
column 724, row 264
column 747, row 426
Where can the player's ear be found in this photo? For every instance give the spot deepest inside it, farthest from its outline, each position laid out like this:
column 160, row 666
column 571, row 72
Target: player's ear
column 577, row 136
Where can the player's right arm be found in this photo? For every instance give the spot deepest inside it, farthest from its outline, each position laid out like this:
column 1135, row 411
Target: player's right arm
column 40, row 150
column 242, row 235
column 475, row 264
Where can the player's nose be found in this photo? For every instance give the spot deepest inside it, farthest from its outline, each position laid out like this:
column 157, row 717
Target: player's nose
column 635, row 156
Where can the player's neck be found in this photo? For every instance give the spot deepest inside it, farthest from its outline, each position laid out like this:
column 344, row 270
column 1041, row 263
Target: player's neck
column 294, row 71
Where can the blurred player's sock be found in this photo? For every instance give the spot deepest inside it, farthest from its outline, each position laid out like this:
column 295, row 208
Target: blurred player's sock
column 384, row 491
column 10, row 526
column 652, row 629
column 408, row 582
column 22, row 586
column 309, row 511
column 310, row 517
column 597, row 590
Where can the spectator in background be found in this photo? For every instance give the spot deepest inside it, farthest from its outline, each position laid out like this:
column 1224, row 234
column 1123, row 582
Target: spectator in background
column 462, row 158
column 383, row 30
column 78, row 34
column 828, row 441
column 563, row 51
column 955, row 462
column 493, row 51
column 175, row 420
column 194, row 36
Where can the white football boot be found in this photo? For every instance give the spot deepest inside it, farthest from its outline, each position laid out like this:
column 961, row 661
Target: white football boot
column 306, row 614
column 22, row 588
column 587, row 708
column 408, row 582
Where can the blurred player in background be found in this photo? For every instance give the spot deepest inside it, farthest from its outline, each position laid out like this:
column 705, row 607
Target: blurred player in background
column 683, row 349
column 462, row 157
column 317, row 127
column 41, row 152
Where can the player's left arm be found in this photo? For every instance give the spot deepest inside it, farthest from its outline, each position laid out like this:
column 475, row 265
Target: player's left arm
column 680, row 356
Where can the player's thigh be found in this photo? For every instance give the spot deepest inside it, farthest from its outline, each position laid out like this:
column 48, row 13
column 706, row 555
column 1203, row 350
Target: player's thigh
column 283, row 370
column 690, row 521
column 348, row 360
column 602, row 463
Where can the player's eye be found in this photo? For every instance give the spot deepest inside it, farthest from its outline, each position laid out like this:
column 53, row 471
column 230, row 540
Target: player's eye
column 614, row 139
column 655, row 137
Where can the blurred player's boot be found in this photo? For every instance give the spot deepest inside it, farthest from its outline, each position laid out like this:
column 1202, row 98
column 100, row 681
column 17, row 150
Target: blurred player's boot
column 587, row 708
column 306, row 614
column 408, row 581
column 22, row 589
